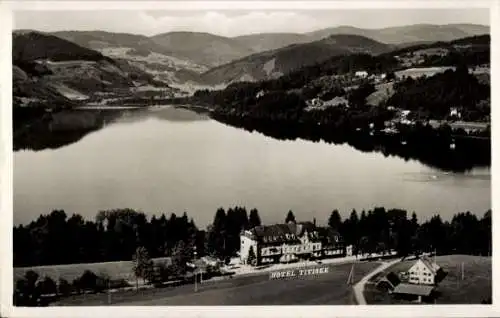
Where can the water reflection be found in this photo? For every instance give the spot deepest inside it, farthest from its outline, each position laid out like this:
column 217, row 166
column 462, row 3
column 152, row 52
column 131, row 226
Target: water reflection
column 59, row 129
column 63, row 128
column 424, row 146
column 169, row 160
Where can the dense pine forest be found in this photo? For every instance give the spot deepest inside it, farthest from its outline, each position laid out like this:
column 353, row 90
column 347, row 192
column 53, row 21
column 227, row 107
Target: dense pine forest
column 115, row 235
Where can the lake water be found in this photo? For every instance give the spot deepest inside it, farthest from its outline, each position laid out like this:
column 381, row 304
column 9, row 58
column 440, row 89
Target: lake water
column 170, row 160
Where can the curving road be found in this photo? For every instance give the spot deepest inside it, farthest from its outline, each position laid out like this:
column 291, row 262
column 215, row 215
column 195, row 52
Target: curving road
column 360, row 286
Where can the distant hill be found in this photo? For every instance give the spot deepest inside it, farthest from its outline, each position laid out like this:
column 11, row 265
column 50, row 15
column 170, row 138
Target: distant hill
column 274, row 63
column 31, row 45
column 403, row 35
column 202, row 48
column 101, row 39
column 261, row 42
column 471, row 42
column 163, row 63
column 408, row 34
column 179, row 57
column 47, row 68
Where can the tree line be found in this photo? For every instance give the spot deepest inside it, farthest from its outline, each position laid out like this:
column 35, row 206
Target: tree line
column 381, row 230
column 116, row 235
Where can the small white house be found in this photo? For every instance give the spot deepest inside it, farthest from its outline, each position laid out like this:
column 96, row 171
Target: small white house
column 349, row 250
column 455, row 112
column 425, row 272
column 405, row 113
column 361, row 74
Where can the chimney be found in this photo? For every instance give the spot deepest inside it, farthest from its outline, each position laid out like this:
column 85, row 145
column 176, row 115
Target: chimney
column 314, row 222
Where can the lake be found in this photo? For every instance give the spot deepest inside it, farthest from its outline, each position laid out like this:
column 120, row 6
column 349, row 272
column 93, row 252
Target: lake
column 168, row 160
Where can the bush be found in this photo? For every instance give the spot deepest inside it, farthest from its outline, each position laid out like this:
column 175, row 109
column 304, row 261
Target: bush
column 47, row 286
column 88, row 281
column 102, row 283
column 27, row 291
column 64, row 287
column 77, row 286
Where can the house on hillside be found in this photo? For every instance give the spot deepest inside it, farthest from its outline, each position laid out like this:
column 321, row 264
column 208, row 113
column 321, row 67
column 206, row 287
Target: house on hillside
column 284, row 243
column 389, row 282
column 426, row 272
column 423, row 277
column 362, row 74
column 260, row 94
column 315, row 102
column 454, row 112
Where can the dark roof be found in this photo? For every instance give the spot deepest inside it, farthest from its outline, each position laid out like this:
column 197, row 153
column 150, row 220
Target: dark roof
column 274, row 234
column 393, row 279
column 284, row 233
column 414, row 289
column 329, row 236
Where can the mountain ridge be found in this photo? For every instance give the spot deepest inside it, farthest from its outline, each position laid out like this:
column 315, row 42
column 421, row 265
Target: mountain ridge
column 274, row 63
column 47, row 68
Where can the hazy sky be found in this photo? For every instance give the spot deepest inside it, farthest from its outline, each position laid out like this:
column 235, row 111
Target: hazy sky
column 233, row 23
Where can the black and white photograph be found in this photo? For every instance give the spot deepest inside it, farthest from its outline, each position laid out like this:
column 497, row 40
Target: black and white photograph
column 288, row 156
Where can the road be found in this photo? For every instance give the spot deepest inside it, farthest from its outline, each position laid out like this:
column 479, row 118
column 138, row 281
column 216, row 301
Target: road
column 329, row 288
column 360, row 286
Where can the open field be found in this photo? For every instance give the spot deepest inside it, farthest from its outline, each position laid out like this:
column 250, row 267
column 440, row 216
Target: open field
column 382, row 93
column 322, row 289
column 115, row 270
column 421, row 71
column 476, row 286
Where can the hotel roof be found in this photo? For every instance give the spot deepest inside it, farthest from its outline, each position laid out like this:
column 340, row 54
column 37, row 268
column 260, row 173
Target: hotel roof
column 283, row 233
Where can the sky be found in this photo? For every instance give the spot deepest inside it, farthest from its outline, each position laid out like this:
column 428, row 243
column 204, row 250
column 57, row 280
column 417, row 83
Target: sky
column 234, row 23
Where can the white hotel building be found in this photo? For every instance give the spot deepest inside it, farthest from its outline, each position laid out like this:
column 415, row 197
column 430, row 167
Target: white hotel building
column 290, row 242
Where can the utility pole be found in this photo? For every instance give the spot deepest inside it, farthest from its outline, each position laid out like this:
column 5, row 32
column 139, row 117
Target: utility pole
column 109, row 291
column 463, row 271
column 350, row 279
column 195, row 278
